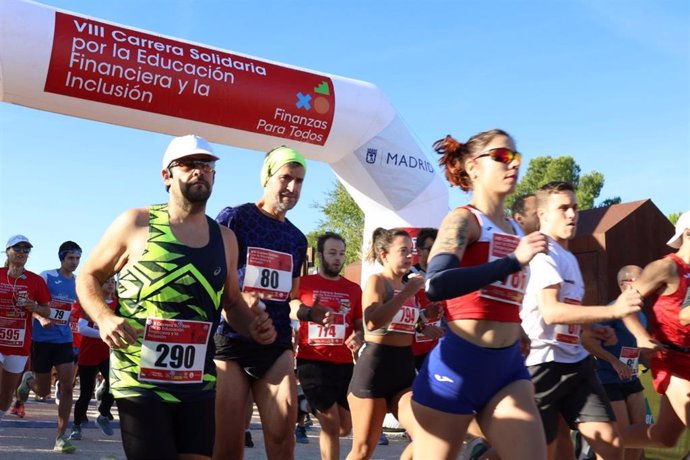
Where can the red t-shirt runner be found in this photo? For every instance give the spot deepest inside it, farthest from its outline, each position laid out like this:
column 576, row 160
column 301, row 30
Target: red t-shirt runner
column 15, row 320
column 327, row 343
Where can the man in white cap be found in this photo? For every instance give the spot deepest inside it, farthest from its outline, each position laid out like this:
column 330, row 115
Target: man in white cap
column 271, row 254
column 668, row 280
column 177, row 270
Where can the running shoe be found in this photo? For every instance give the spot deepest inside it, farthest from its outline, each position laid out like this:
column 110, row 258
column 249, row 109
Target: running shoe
column 383, row 439
column 57, row 393
column 301, row 435
column 104, row 424
column 473, row 449
column 248, row 442
column 75, row 435
column 18, row 409
column 63, row 445
column 24, row 389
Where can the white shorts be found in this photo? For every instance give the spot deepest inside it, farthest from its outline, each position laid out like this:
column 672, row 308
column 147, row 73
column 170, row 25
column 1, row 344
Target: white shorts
column 13, row 363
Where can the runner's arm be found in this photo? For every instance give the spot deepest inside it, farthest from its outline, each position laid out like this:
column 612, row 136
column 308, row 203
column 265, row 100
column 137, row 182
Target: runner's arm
column 246, row 318
column 122, row 241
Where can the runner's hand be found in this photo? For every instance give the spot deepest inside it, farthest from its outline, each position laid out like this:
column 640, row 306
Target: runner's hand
column 355, row 341
column 261, row 328
column 433, row 332
column 46, row 323
column 529, row 246
column 413, row 285
column 630, row 301
column 116, row 331
column 624, row 371
column 321, row 314
column 433, row 311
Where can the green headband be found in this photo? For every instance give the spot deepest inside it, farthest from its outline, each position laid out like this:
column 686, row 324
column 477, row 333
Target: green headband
column 277, row 158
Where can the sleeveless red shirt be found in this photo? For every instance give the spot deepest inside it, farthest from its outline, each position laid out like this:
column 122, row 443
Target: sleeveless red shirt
column 498, row 301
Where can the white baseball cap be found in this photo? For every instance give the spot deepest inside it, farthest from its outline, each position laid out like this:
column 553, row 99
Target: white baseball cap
column 185, row 146
column 16, row 239
column 681, row 225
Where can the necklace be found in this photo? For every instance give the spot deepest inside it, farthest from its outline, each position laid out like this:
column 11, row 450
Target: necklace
column 15, row 298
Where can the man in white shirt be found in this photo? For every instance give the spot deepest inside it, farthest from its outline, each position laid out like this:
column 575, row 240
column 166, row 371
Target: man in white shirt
column 552, row 315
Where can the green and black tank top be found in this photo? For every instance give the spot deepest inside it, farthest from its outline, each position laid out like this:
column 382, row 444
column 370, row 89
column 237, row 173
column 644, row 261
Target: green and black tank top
column 173, row 295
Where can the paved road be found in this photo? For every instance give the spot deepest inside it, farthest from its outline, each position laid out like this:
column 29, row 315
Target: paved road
column 33, row 437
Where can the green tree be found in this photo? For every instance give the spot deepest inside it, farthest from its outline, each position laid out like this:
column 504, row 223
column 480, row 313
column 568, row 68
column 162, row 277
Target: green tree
column 542, row 170
column 343, row 216
column 673, row 217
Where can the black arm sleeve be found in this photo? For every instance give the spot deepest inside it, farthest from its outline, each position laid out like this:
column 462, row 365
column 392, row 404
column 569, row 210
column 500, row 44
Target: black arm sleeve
column 445, row 280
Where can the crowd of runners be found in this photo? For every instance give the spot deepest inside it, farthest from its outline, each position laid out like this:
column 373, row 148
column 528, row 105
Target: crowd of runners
column 481, row 350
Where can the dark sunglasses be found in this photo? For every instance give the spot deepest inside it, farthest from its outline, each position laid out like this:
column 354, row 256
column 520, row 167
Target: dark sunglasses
column 502, row 155
column 206, row 166
column 24, row 249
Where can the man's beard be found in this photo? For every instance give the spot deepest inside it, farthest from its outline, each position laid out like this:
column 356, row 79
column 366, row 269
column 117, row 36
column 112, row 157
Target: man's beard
column 329, row 271
column 196, row 195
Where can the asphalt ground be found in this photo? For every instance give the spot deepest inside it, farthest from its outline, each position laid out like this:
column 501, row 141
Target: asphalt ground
column 33, row 437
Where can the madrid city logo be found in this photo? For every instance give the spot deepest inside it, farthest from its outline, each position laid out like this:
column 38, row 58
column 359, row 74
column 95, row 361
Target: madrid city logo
column 318, row 100
column 371, row 156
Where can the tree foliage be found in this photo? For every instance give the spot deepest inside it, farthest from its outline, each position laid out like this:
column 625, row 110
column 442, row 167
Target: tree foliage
column 343, row 216
column 542, row 170
column 673, row 217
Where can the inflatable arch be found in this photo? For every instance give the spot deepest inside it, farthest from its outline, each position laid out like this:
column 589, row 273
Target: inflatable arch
column 71, row 64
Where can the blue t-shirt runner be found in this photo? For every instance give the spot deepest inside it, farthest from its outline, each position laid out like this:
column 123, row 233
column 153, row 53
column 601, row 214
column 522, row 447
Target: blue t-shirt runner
column 271, row 253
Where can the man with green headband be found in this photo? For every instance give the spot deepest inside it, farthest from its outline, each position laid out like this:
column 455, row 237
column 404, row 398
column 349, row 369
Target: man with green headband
column 271, row 254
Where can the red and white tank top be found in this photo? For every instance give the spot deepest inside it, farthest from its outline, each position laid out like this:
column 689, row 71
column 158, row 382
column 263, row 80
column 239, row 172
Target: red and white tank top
column 500, row 300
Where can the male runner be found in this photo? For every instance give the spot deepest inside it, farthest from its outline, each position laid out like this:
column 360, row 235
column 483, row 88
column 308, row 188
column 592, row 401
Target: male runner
column 177, row 271
column 325, row 352
column 52, row 343
column 562, row 371
column 271, row 254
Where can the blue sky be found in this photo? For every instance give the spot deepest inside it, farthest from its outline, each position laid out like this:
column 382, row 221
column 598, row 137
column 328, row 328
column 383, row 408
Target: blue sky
column 607, row 82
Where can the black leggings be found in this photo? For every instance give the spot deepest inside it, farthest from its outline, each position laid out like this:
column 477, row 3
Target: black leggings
column 87, row 382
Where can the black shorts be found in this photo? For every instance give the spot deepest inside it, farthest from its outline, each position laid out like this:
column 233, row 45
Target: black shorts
column 154, row 429
column 621, row 391
column 324, row 384
column 45, row 355
column 572, row 390
column 382, row 371
column 255, row 359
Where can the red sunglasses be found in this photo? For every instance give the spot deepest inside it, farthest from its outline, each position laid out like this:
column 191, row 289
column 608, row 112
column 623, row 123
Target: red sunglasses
column 502, row 155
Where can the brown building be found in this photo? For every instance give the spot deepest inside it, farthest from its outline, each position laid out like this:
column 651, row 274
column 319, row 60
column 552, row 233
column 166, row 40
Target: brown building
column 609, row 238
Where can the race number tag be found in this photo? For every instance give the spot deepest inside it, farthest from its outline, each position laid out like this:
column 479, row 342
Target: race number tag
column 421, row 338
column 567, row 333
column 406, row 318
column 268, row 273
column 12, row 332
column 174, row 351
column 630, row 356
column 511, row 290
column 331, row 335
column 60, row 311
